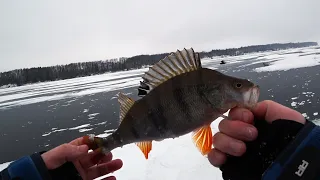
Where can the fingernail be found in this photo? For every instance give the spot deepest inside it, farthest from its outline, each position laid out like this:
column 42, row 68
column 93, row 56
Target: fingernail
column 245, row 116
column 250, row 133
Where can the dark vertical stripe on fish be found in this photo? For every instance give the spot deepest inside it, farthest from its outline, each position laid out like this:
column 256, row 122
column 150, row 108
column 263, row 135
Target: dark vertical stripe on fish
column 135, row 132
column 200, row 91
column 183, row 105
column 158, row 119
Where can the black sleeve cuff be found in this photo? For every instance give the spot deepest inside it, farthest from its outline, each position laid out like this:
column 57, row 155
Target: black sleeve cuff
column 261, row 153
column 300, row 159
column 40, row 165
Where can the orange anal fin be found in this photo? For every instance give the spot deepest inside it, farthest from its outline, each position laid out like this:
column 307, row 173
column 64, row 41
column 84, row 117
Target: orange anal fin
column 145, row 147
column 202, row 138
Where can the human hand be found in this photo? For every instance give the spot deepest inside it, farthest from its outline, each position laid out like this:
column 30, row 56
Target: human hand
column 238, row 129
column 90, row 165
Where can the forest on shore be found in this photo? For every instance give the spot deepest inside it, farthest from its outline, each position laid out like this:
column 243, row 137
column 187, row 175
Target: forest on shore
column 20, row 77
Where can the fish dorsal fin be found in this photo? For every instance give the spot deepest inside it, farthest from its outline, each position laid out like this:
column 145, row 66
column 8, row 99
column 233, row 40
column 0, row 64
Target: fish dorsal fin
column 172, row 65
column 125, row 104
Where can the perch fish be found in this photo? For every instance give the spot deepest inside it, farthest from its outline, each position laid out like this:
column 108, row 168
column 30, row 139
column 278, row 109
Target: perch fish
column 178, row 96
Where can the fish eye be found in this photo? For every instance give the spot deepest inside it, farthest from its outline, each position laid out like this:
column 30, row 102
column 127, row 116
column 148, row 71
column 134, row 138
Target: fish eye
column 238, row 85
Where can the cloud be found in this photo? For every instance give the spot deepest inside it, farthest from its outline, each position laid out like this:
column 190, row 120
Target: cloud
column 39, row 33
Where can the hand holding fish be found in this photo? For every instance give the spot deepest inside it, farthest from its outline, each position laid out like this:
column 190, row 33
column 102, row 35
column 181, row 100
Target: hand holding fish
column 234, row 131
column 239, row 128
column 90, row 165
column 235, row 157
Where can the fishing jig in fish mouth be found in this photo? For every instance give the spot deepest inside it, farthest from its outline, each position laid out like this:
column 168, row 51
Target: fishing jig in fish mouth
column 178, row 96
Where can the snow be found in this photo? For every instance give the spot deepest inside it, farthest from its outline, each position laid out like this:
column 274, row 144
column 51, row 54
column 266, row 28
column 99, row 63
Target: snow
column 167, row 160
column 291, row 61
column 305, row 115
column 73, row 88
column 85, row 130
column 79, row 127
column 56, row 130
column 293, row 104
column 4, row 165
column 93, row 114
column 171, row 158
column 70, row 88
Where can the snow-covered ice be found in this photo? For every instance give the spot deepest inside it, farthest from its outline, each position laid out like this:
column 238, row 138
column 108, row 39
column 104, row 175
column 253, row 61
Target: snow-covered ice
column 79, row 127
column 85, row 130
column 291, row 61
column 93, row 114
column 73, row 88
column 4, row 165
column 167, row 160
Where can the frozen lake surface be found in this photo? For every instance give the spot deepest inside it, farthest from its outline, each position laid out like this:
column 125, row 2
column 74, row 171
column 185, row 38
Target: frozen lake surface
column 41, row 116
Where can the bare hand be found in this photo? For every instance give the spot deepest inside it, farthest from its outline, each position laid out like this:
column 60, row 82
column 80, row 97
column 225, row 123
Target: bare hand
column 238, row 128
column 89, row 165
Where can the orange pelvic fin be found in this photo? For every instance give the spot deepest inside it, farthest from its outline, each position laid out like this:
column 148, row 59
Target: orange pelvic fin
column 202, row 138
column 145, row 147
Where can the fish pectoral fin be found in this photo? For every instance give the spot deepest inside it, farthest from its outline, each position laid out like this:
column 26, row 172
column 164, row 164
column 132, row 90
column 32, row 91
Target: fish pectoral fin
column 145, row 147
column 202, row 138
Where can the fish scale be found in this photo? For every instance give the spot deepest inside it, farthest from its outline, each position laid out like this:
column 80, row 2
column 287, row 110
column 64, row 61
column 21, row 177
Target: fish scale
column 178, row 97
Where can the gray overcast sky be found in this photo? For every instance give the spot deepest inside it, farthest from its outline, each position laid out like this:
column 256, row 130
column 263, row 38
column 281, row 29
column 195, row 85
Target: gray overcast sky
column 41, row 33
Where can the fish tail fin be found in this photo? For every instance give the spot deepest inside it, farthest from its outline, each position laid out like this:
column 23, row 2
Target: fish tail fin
column 95, row 143
column 106, row 144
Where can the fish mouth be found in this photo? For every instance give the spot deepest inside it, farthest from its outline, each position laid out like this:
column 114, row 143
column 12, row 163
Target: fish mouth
column 251, row 97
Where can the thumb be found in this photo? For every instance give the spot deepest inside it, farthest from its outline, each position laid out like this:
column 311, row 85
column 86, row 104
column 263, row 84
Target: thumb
column 270, row 111
column 62, row 154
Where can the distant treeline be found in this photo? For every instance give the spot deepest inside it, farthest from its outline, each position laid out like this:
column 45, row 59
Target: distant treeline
column 31, row 75
column 256, row 48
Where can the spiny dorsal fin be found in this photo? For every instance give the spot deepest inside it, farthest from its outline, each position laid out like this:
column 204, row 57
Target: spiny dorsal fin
column 173, row 65
column 125, row 104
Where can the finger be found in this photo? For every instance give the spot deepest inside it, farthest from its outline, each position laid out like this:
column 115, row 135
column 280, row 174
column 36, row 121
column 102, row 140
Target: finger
column 241, row 114
column 79, row 141
column 107, row 158
column 228, row 144
column 110, row 178
column 216, row 157
column 94, row 158
column 238, row 130
column 270, row 111
column 62, row 154
column 104, row 169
